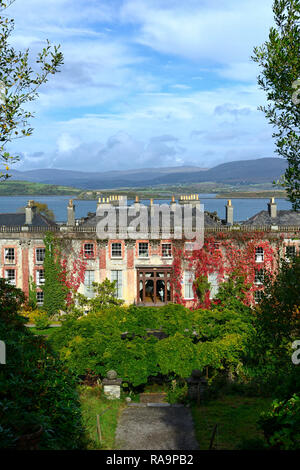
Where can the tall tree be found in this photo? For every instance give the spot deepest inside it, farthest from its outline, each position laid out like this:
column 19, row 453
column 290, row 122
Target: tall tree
column 19, row 84
column 279, row 60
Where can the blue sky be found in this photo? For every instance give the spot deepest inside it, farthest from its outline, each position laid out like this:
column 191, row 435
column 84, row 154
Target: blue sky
column 146, row 83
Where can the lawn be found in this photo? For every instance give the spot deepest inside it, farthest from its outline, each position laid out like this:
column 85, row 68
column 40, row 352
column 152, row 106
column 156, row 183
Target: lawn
column 93, row 403
column 236, row 417
column 46, row 332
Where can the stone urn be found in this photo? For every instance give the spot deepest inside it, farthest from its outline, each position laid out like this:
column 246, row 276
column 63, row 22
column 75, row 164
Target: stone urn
column 112, row 385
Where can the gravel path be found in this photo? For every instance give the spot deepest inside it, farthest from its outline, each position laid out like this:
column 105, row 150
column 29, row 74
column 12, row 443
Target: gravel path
column 156, row 428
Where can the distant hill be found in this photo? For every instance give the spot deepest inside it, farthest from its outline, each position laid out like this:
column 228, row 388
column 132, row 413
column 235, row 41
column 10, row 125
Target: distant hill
column 263, row 170
column 104, row 180
column 25, row 188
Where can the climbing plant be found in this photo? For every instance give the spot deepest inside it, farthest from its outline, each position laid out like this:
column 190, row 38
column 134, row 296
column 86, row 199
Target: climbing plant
column 72, row 274
column 225, row 256
column 31, row 301
column 202, row 286
column 55, row 291
column 64, row 273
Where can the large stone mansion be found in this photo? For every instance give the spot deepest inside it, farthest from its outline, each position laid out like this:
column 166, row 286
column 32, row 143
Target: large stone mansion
column 141, row 267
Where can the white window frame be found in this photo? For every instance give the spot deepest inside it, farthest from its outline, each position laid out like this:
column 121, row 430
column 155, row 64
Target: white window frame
column 189, row 246
column 9, row 255
column 188, row 280
column 89, row 278
column 118, row 256
column 40, row 250
column 40, row 280
column 259, row 276
column 259, row 254
column 39, row 293
column 168, row 250
column 214, row 284
column 11, row 280
column 143, row 255
column 117, row 275
column 289, row 256
column 90, row 252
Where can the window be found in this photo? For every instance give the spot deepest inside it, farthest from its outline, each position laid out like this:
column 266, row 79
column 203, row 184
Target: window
column 10, row 275
column 40, row 297
column 40, row 255
column 259, row 276
column 89, row 250
column 9, row 255
column 259, row 254
column 290, row 252
column 214, row 284
column 89, row 278
column 189, row 246
column 258, row 296
column 166, row 250
column 188, row 285
column 116, row 275
column 40, row 277
column 143, row 249
column 116, row 250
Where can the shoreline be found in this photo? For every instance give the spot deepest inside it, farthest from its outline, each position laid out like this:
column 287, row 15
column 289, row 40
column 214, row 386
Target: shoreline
column 235, row 195
column 250, row 196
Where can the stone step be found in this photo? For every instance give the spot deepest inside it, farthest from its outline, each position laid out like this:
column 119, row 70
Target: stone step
column 158, row 404
column 153, row 397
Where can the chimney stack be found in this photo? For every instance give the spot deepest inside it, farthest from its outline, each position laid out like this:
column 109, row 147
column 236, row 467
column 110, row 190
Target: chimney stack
column 173, row 204
column 229, row 213
column 137, row 203
column 30, row 211
column 152, row 207
column 272, row 208
column 71, row 214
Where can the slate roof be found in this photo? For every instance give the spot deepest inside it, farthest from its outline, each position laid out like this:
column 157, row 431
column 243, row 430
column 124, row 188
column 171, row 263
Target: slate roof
column 210, row 220
column 18, row 220
column 284, row 218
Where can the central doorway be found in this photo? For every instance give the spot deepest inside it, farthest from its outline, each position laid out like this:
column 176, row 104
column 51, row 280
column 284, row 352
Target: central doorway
column 154, row 285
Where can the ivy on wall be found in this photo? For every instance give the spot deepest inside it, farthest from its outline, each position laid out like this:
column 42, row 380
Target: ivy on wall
column 224, row 255
column 55, row 291
column 64, row 273
column 31, row 302
column 73, row 270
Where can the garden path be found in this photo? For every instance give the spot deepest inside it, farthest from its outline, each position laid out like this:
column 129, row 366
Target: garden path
column 156, row 427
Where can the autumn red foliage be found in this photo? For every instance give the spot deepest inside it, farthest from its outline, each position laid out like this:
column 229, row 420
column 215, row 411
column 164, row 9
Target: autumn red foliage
column 224, row 256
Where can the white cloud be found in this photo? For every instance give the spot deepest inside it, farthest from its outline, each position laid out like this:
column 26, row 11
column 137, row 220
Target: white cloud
column 146, row 83
column 67, row 143
column 180, row 86
column 201, row 31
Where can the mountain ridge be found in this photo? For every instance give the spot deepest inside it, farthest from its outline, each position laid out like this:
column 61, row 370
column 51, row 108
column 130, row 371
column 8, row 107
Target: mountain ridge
column 262, row 170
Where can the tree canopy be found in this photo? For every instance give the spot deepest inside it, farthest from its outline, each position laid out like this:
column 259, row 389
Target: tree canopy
column 19, row 84
column 279, row 61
